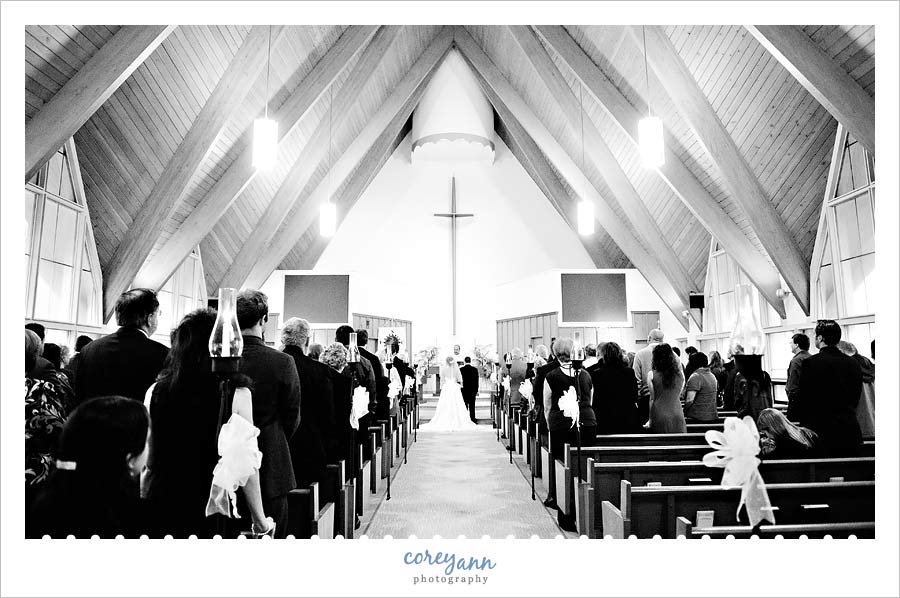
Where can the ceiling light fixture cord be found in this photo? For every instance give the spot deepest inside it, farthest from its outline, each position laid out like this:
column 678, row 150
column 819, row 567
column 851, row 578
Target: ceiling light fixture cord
column 646, row 69
column 581, row 103
column 268, row 64
column 330, row 124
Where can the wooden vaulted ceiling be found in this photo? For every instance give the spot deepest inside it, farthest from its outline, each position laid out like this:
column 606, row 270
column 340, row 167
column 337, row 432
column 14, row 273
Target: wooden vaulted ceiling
column 763, row 124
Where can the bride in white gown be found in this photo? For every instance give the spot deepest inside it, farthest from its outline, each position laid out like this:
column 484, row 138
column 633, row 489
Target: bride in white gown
column 451, row 414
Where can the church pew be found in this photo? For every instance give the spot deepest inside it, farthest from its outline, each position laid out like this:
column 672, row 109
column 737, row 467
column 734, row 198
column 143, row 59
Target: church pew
column 604, row 480
column 375, row 441
column 649, row 511
column 649, row 439
column 308, row 516
column 860, row 529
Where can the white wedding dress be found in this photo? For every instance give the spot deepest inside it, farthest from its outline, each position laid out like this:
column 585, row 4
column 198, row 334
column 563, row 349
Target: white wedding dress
column 451, row 414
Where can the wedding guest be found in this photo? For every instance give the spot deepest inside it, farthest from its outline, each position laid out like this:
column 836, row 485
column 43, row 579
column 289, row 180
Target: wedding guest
column 540, row 374
column 700, row 391
column 629, row 360
column 308, row 446
column 126, row 362
column 665, row 382
column 780, row 439
column 46, row 406
column 338, row 445
column 184, row 407
column 642, row 365
column 689, row 352
column 94, row 490
column 362, row 374
column 830, row 387
column 516, row 377
column 53, row 354
column 717, row 369
column 315, row 351
column 382, row 382
column 42, row 369
column 557, row 383
column 590, row 355
column 799, row 344
column 865, row 409
column 615, row 393
column 276, row 405
column 728, row 395
column 80, row 343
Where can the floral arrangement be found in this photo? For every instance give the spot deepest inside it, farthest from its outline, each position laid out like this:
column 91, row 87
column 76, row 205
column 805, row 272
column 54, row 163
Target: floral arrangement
column 391, row 341
column 487, row 357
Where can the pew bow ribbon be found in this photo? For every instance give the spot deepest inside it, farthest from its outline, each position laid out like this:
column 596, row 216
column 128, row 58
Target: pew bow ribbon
column 568, row 404
column 527, row 390
column 360, row 406
column 505, row 384
column 736, row 451
column 239, row 459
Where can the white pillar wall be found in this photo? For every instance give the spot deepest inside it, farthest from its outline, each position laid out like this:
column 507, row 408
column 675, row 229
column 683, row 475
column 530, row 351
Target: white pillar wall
column 397, row 252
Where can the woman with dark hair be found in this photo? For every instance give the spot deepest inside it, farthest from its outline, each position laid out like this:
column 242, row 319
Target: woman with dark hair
column 615, row 392
column 184, row 405
column 700, row 391
column 717, row 369
column 94, row 490
column 666, row 382
column 780, row 439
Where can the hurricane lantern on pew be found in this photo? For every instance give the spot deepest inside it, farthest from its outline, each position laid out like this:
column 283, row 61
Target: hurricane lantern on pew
column 752, row 384
column 226, row 344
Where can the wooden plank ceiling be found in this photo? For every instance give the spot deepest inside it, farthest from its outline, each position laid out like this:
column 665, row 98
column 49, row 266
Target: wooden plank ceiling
column 780, row 130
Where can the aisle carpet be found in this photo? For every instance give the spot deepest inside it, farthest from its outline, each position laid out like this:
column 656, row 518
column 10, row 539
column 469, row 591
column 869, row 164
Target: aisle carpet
column 461, row 483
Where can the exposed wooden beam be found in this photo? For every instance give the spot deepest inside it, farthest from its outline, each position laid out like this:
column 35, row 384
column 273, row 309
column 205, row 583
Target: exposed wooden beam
column 316, row 149
column 85, row 92
column 596, row 150
column 226, row 98
column 393, row 113
column 737, row 176
column 216, row 203
column 824, row 78
column 529, row 156
column 676, row 175
column 507, row 101
column 354, row 188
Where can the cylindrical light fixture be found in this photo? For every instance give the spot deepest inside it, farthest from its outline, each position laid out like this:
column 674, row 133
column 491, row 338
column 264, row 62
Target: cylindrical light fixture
column 650, row 135
column 226, row 342
column 585, row 217
column 327, row 219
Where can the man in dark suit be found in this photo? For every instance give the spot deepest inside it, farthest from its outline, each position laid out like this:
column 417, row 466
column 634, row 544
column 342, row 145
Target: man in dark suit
column 469, row 385
column 126, row 362
column 363, row 375
column 276, row 405
column 540, row 375
column 308, row 445
column 382, row 382
column 830, row 387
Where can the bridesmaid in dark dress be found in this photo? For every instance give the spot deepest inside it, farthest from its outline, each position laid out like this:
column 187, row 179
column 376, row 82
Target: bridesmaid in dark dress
column 666, row 382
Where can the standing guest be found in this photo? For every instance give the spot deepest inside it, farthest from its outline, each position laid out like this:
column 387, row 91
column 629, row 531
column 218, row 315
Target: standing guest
column 42, row 368
column 382, row 383
column 830, row 387
column 800, row 349
column 126, row 362
column 338, row 444
column 865, row 409
column 308, row 446
column 360, row 374
column 65, row 357
column 689, row 352
column 717, row 369
column 540, row 374
column 780, row 439
column 276, row 405
column 53, row 354
column 184, row 407
column 728, row 395
column 516, row 377
column 80, row 343
column 94, row 490
column 557, row 383
column 590, row 355
column 615, row 393
column 666, row 380
column 315, row 351
column 701, row 390
column 629, row 360
column 46, row 406
column 642, row 364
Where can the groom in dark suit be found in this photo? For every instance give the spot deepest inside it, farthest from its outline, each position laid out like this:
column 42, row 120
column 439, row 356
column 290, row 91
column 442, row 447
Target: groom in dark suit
column 469, row 385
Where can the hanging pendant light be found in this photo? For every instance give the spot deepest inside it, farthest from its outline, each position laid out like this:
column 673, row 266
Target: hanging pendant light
column 265, row 131
column 327, row 211
column 650, row 129
column 585, row 206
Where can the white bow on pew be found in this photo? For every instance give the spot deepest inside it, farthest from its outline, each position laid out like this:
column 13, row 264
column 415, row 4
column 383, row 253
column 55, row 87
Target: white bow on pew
column 360, row 406
column 736, row 450
column 240, row 458
column 568, row 404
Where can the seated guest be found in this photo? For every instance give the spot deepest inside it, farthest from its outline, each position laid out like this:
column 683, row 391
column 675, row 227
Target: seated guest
column 308, row 451
column 665, row 383
column 126, row 362
column 184, row 406
column 830, row 387
column 780, row 439
column 315, row 351
column 865, row 409
column 338, row 444
column 46, row 406
column 94, row 489
column 700, row 391
column 615, row 392
column 717, row 369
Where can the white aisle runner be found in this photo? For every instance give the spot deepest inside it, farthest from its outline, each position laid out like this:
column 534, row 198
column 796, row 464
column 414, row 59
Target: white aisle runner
column 461, row 483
